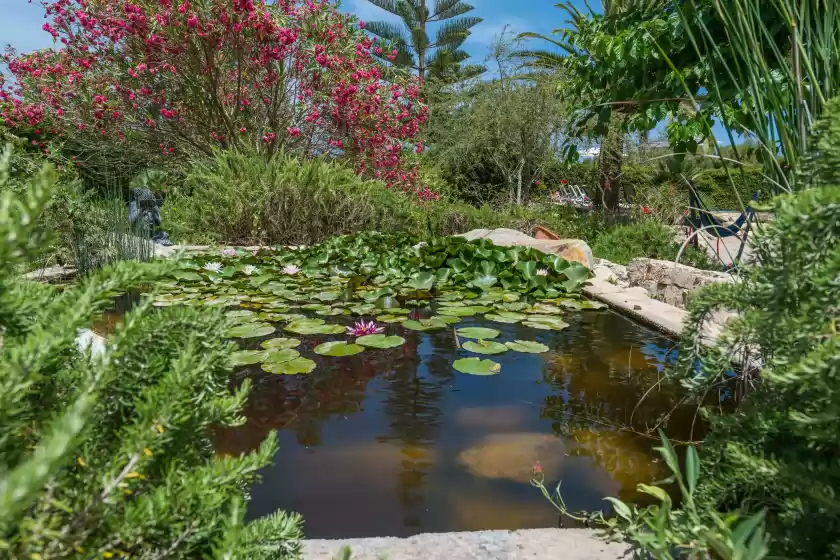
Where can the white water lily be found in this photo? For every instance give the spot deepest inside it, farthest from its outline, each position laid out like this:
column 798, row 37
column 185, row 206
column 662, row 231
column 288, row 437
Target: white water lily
column 421, row 244
column 542, row 272
column 213, row 267
column 291, row 269
column 249, row 269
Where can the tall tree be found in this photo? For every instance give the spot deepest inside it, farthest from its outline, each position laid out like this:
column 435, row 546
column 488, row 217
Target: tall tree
column 438, row 58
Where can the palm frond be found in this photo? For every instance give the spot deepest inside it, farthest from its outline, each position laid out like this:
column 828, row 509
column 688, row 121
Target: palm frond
column 388, row 31
column 454, row 32
column 390, row 6
column 448, row 9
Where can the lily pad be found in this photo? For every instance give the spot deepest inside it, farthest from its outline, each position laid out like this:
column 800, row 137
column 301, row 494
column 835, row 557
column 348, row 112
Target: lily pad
column 251, row 330
column 546, row 325
column 391, row 318
column 484, row 347
column 281, row 355
column 338, row 348
column 458, row 311
column 247, row 357
column 477, row 366
column 292, row 367
column 313, row 326
column 478, row 332
column 280, row 343
column 380, row 341
column 187, row 276
column 448, row 319
column 506, row 317
column 527, row 346
column 240, row 314
column 424, row 324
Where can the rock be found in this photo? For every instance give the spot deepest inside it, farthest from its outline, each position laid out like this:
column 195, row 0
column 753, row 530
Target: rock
column 670, row 282
column 512, row 456
column 573, row 250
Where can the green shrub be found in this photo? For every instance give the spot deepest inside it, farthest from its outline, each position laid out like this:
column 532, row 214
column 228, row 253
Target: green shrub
column 780, row 449
column 646, row 238
column 246, row 199
column 111, row 455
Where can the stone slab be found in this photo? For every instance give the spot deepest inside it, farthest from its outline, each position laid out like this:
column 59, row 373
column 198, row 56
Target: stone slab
column 554, row 544
column 669, row 281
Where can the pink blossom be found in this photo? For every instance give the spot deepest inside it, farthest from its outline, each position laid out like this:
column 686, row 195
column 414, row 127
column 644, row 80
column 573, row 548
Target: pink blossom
column 361, row 328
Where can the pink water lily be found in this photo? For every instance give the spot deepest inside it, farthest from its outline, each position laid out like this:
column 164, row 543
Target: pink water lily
column 361, row 328
column 291, row 269
column 228, row 252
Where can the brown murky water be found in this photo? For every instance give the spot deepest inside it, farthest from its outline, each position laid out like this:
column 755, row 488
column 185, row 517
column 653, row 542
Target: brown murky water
column 395, row 442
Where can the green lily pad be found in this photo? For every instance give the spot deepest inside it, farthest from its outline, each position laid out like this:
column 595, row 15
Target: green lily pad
column 545, row 325
column 240, row 315
column 484, row 347
column 477, row 366
column 448, row 319
column 391, row 318
column 380, row 341
column 280, row 343
column 313, row 326
column 251, row 330
column 315, row 307
column 247, row 357
column 292, row 367
column 589, row 304
column 478, row 332
column 333, row 311
column 570, row 304
column 457, row 311
column 281, row 355
column 544, row 309
column 506, row 317
column 424, row 324
column 527, row 346
column 187, row 276
column 338, row 348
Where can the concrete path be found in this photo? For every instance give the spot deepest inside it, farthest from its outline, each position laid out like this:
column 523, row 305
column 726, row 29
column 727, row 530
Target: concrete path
column 553, row 544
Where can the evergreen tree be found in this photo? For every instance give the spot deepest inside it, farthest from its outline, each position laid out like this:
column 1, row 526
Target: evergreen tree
column 110, row 455
column 440, row 58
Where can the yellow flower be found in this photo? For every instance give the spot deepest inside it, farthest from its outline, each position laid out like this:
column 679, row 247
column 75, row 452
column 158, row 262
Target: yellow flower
column 108, row 554
column 127, row 491
column 135, row 475
column 35, row 556
column 147, row 451
column 79, row 549
column 81, row 462
column 159, row 428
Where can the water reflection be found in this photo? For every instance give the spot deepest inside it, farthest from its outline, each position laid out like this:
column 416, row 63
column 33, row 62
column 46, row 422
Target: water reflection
column 394, row 442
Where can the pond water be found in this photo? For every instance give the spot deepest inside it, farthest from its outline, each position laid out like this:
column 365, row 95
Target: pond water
column 396, row 442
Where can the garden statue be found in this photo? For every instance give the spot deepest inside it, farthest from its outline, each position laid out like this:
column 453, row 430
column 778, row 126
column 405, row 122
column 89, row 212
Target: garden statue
column 144, row 214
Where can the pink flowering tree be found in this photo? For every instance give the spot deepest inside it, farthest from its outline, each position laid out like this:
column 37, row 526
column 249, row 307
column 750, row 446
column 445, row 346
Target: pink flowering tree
column 178, row 78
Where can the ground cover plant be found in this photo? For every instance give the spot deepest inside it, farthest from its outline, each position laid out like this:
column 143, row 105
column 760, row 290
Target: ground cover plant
column 110, row 455
column 382, row 282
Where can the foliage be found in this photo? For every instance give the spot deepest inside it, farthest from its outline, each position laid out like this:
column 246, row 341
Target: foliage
column 411, row 46
column 646, row 238
column 778, row 449
column 110, row 455
column 172, row 81
column 243, row 198
column 662, row 532
column 823, row 165
column 499, row 134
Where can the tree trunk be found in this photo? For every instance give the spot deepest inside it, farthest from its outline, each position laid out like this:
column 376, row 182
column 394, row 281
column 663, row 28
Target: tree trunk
column 610, row 159
column 519, row 182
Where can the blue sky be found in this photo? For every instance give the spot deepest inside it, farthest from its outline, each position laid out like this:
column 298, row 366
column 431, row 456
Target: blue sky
column 20, row 21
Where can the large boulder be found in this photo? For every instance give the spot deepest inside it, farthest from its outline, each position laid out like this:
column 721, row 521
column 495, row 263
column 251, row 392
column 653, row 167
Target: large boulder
column 573, row 250
column 670, row 282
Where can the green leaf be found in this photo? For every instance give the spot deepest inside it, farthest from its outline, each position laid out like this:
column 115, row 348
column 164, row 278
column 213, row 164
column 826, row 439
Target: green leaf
column 187, row 276
column 424, row 324
column 313, row 326
column 656, row 492
column 281, row 355
column 421, row 280
column 338, row 348
column 692, row 468
column 477, row 366
column 485, row 347
column 251, row 330
column 247, row 357
column 457, row 311
column 478, row 332
column 621, row 508
column 292, row 367
column 380, row 341
column 484, row 281
column 527, row 346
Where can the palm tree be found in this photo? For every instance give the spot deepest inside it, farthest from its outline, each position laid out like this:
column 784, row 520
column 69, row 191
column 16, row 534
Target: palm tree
column 440, row 58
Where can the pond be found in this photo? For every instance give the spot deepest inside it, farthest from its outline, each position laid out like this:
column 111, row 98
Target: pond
column 396, row 442
column 489, row 362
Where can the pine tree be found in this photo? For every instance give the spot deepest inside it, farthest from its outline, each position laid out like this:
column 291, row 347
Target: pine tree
column 110, row 456
column 440, row 58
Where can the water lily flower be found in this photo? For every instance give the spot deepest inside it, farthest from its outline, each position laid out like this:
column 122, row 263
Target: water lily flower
column 213, row 267
column 228, row 252
column 361, row 328
column 421, row 244
column 542, row 272
column 291, row 269
column 249, row 269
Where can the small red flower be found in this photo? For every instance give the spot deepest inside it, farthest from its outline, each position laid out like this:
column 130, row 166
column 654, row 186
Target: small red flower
column 538, row 469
